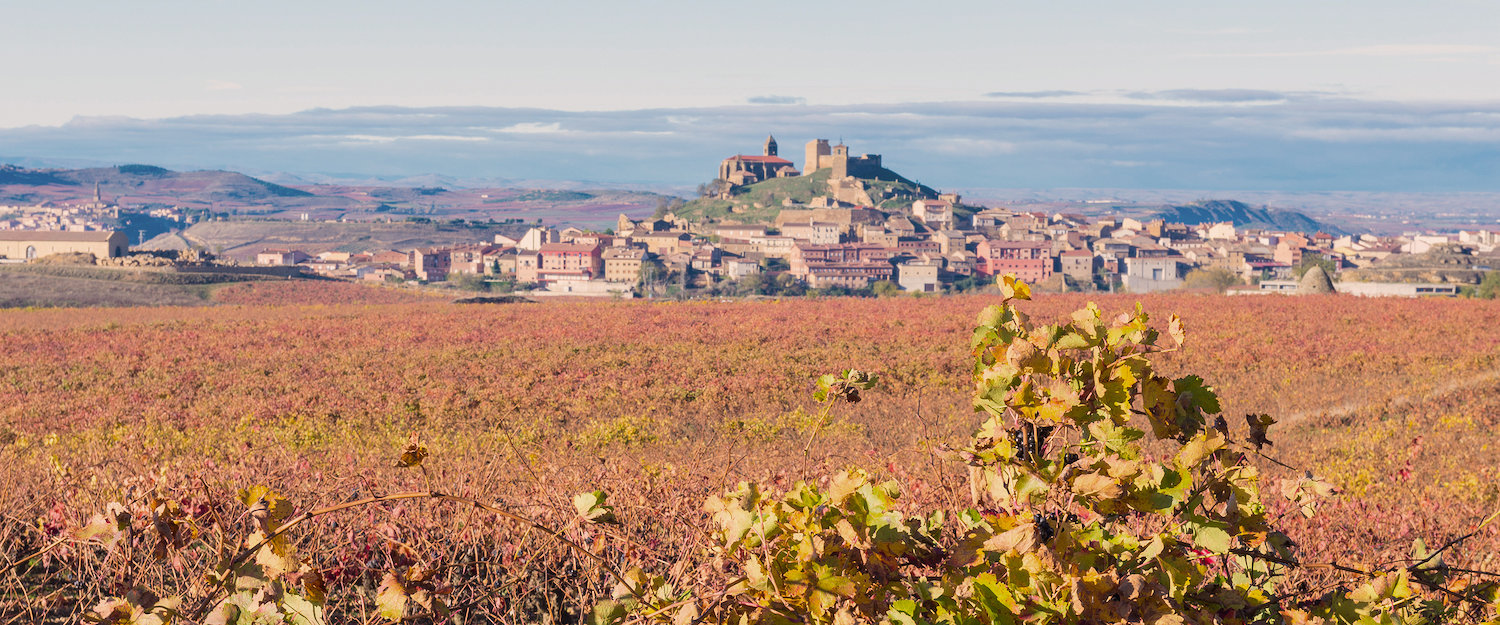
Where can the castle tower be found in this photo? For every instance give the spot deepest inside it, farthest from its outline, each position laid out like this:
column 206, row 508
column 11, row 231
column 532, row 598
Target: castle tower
column 770, row 145
column 840, row 160
column 98, row 198
column 817, row 149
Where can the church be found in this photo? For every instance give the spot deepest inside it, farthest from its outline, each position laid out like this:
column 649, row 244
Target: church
column 743, row 169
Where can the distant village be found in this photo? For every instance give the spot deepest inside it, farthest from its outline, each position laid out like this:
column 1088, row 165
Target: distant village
column 840, row 242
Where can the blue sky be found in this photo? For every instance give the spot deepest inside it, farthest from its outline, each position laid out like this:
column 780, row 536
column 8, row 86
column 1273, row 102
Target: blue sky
column 1269, row 94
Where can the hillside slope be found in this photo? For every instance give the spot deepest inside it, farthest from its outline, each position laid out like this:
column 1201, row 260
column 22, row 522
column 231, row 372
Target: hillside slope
column 1243, row 215
column 242, row 240
column 762, row 201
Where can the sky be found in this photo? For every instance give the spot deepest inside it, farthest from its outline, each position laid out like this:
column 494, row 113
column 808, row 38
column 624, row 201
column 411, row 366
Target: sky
column 86, row 80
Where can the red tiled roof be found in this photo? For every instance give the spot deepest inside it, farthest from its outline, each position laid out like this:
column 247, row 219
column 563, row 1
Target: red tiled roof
column 775, row 160
column 561, row 248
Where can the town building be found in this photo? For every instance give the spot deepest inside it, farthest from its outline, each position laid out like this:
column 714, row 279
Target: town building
column 1152, row 274
column 1027, row 260
column 281, row 257
column 570, row 259
column 744, row 169
column 431, row 264
column 623, row 264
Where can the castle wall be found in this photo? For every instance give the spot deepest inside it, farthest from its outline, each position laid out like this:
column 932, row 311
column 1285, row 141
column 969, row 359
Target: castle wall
column 815, row 155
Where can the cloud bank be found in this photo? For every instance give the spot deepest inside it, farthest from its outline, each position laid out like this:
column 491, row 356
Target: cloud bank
column 1186, row 139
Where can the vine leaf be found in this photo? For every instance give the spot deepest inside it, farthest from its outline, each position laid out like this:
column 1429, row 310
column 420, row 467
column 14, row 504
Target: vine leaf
column 592, row 508
column 412, row 456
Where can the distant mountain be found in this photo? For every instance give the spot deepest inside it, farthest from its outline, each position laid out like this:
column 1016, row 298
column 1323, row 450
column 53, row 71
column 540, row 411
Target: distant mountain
column 21, row 176
column 213, row 186
column 236, row 195
column 1243, row 215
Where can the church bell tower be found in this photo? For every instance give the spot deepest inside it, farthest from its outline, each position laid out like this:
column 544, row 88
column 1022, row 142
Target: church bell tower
column 770, row 145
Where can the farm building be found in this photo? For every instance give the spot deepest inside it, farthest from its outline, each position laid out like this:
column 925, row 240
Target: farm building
column 29, row 244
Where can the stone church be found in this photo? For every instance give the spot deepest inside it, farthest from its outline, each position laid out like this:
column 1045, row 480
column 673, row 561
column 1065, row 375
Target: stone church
column 743, row 169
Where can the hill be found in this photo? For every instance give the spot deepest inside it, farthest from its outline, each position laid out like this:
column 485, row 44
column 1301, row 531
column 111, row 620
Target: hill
column 211, row 186
column 1444, row 264
column 138, row 188
column 242, row 240
column 760, row 202
column 1243, row 215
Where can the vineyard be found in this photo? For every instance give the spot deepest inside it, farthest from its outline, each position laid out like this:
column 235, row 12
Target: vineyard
column 141, row 445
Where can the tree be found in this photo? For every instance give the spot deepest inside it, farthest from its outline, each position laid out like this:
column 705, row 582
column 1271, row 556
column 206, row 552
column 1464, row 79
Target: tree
column 1489, row 287
column 788, row 284
column 651, row 276
column 1215, row 278
column 753, row 284
column 885, row 288
column 1313, row 260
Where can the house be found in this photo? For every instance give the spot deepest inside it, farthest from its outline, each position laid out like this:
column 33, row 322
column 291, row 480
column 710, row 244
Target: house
column 919, row 275
column 774, row 246
column 735, row 268
column 705, row 258
column 948, row 241
column 29, row 244
column 662, row 243
column 528, row 266
column 504, row 263
column 918, row 245
column 816, row 232
column 852, row 275
column 740, row 232
column 470, row 259
column 281, row 257
column 623, row 264
column 1077, row 264
column 391, row 257
column 378, row 273
column 1151, row 274
column 1027, row 260
column 432, row 264
column 1223, row 230
column 990, row 218
column 935, row 213
column 803, row 255
column 570, row 258
column 535, row 238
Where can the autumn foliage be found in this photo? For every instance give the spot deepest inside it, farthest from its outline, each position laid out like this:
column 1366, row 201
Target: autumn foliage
column 154, row 455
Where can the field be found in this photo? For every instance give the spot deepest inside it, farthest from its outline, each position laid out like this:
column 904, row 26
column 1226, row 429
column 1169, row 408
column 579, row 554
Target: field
column 660, row 405
column 38, row 286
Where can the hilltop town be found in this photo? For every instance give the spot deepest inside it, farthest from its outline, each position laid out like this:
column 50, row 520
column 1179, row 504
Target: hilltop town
column 847, row 224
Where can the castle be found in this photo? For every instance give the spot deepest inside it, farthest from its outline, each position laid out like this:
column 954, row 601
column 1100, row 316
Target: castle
column 744, row 169
column 820, row 156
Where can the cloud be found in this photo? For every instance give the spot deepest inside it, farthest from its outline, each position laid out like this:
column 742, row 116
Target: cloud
column 1183, row 139
column 532, row 128
column 1221, row 96
column 222, row 85
column 1033, row 94
column 776, row 99
column 1386, row 50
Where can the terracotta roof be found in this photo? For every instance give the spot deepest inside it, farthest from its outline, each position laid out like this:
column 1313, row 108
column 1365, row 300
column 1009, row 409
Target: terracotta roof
column 559, row 248
column 775, row 160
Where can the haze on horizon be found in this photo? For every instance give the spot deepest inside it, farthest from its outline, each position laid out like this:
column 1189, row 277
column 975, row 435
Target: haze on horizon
column 1279, row 94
